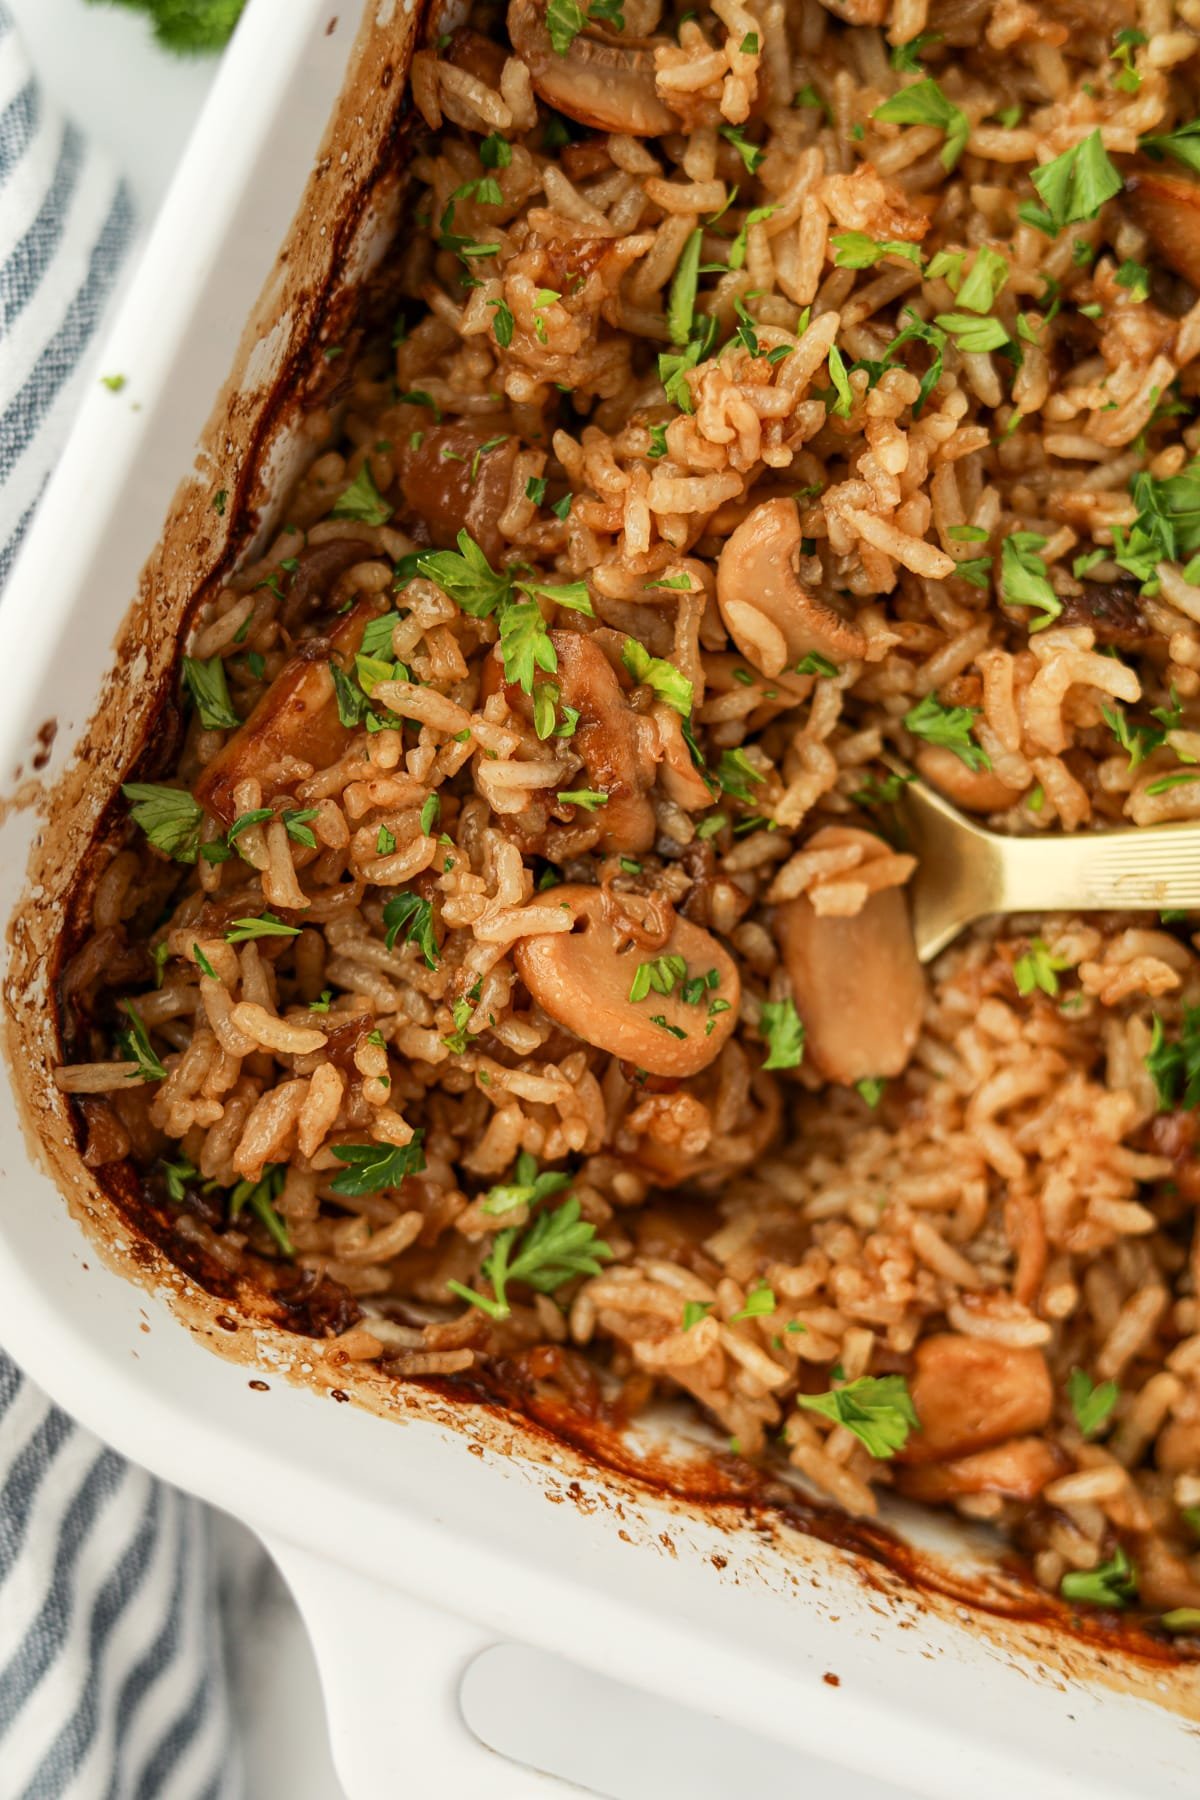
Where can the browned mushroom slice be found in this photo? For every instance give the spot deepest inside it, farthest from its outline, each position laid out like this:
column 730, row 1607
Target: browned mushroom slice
column 857, row 985
column 296, row 720
column 678, row 775
column 618, row 746
column 450, row 481
column 772, row 619
column 601, row 81
column 975, row 790
column 1018, row 1469
column 970, row 1393
column 1167, row 207
column 583, row 979
column 1112, row 610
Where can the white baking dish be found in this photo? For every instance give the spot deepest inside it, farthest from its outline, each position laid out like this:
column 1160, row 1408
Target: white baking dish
column 416, row 1540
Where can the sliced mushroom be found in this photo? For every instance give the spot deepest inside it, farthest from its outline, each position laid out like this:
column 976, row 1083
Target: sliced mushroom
column 618, row 745
column 601, row 81
column 975, row 790
column 970, row 1393
column 1018, row 1470
column 857, row 984
column 582, row 978
column 773, row 620
column 450, row 482
column 681, row 780
column 1111, row 610
column 1167, row 207
column 296, row 720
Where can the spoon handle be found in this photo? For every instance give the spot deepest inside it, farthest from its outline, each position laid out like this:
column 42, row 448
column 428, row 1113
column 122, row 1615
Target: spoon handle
column 1152, row 869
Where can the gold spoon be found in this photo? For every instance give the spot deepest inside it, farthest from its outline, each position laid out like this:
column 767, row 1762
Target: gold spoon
column 965, row 873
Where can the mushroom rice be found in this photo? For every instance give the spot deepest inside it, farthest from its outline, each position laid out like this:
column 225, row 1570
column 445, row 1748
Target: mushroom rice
column 506, row 962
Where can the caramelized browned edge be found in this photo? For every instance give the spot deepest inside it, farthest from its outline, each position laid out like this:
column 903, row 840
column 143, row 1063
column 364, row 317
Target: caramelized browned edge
column 354, row 193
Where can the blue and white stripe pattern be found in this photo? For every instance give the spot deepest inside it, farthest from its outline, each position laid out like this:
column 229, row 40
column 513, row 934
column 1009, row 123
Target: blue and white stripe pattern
column 113, row 1682
column 66, row 222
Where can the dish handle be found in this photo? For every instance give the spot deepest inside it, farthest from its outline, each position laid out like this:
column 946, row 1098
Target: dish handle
column 391, row 1667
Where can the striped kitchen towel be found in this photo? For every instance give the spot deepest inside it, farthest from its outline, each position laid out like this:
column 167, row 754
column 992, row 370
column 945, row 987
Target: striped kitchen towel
column 113, row 1681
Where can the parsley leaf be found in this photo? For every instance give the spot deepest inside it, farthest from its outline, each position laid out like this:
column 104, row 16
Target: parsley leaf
column 681, row 305
column 1074, row 186
column 989, row 272
column 672, row 371
column 855, row 250
column 1090, row 1402
column 409, row 914
column 750, row 153
column 736, row 773
column 502, row 324
column 924, row 103
column 759, row 1303
column 656, row 673
column 588, row 798
column 206, row 683
column 527, row 1187
column 525, row 643
column 694, row 1311
column 905, row 58
column 169, row 816
column 949, row 726
column 972, row 335
column 1174, row 1066
column 362, row 500
column 1038, row 969
column 1023, row 578
column 266, row 925
column 135, row 1046
column 467, row 576
column 782, row 1030
column 556, row 1247
column 878, row 1409
column 372, row 1167
column 1113, row 1584
column 1182, row 144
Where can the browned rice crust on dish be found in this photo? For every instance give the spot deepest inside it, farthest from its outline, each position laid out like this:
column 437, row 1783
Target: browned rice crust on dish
column 780, row 501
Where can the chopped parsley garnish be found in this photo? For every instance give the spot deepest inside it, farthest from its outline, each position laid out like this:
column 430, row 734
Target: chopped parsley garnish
column 656, row 673
column 918, row 330
column 535, row 489
column 295, row 823
column 265, row 925
column 1127, row 79
column 759, row 1303
column 588, row 798
column 377, row 637
column 502, row 324
column 1037, row 969
column 372, row 1167
column 1167, row 527
column 323, row 1004
column 565, row 19
column 694, row 1311
column 1023, row 578
column 664, row 1024
column 949, row 726
column 672, row 371
column 782, row 1030
column 260, row 1196
column 169, row 816
column 1136, row 277
column 1091, row 1402
column 525, row 643
column 988, row 274
column 681, row 305
column 1073, row 187
column 206, row 683
column 468, row 577
column 878, row 1409
column 750, row 153
column 1183, row 145
column 409, row 914
column 244, row 821
column 1112, row 1584
column 737, row 250
column 737, row 774
column 871, row 1089
column 658, row 976
column 556, row 1247
column 844, row 403
column 135, row 1047
column 114, row 383
column 362, row 500
column 906, row 58
column 1174, row 1065
column 816, row 664
column 527, row 1187
column 924, row 103
column 495, row 152
column 855, row 250
column 971, row 334
column 430, row 813
column 176, row 1176
column 352, row 703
